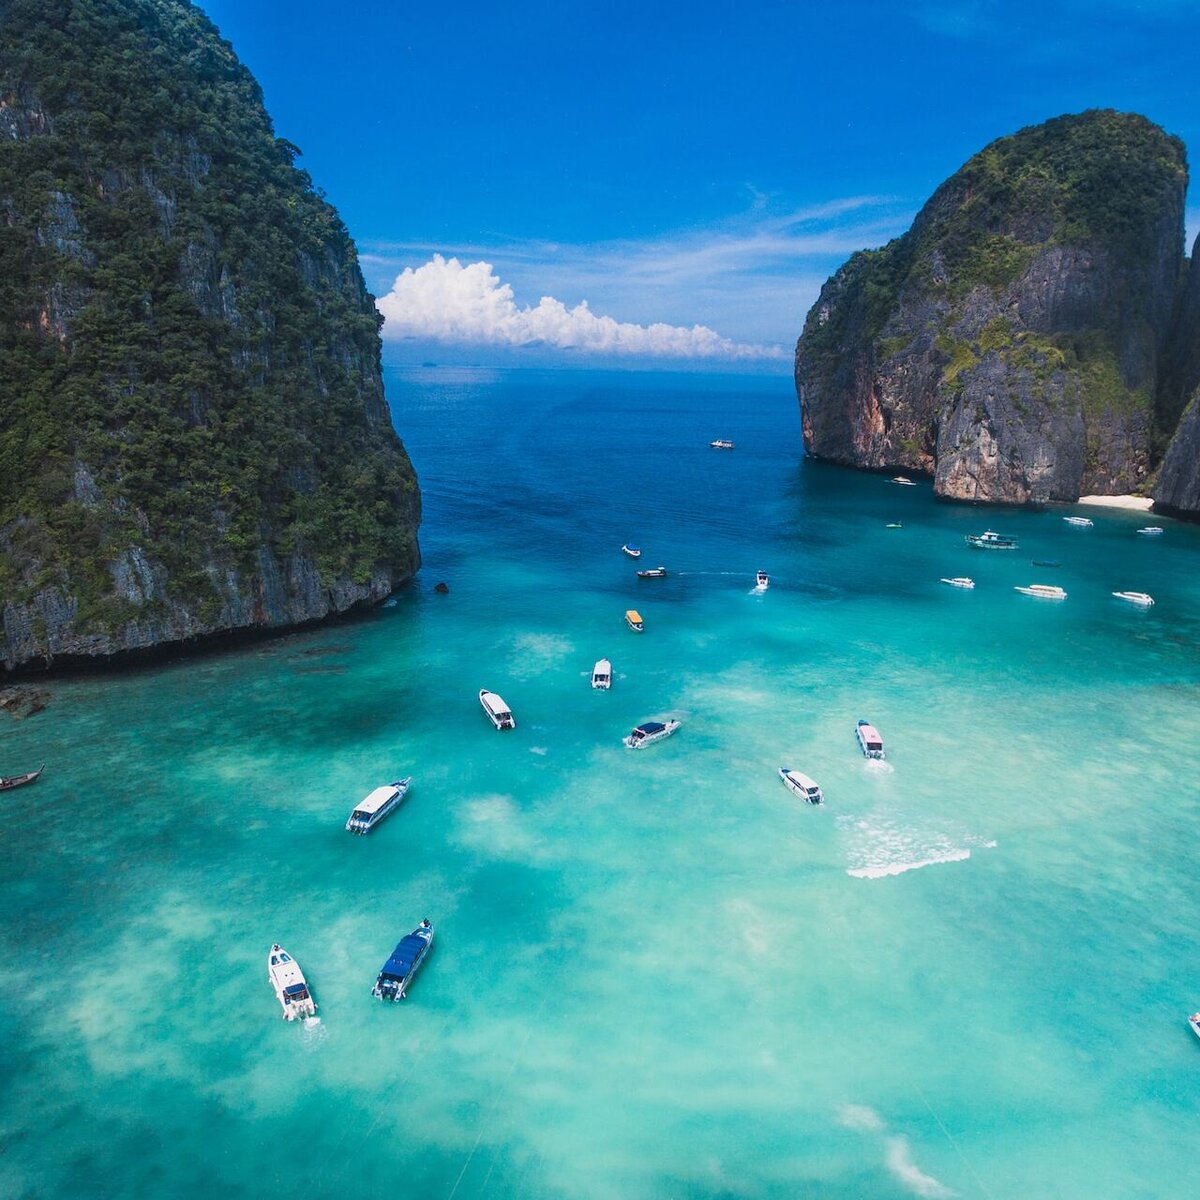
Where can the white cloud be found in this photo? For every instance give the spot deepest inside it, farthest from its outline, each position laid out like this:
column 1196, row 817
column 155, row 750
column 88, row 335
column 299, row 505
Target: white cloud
column 752, row 275
column 447, row 301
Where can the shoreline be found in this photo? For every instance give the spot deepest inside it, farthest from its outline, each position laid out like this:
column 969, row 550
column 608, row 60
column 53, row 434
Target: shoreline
column 1139, row 503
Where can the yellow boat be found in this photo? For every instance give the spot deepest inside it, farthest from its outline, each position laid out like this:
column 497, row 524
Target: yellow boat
column 633, row 619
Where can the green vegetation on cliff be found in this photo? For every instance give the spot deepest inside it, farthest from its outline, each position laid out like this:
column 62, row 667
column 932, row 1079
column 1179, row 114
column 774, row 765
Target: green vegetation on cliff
column 191, row 358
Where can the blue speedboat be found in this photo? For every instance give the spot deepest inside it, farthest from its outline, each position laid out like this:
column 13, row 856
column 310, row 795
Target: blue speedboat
column 630, row 549
column 405, row 962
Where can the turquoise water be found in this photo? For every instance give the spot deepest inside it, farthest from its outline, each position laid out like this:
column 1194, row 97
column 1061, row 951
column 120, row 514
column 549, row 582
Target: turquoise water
column 655, row 974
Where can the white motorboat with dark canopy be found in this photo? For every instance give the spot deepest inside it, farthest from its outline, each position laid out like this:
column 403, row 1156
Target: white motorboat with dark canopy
column 1080, row 522
column 1151, row 530
column 762, row 581
column 960, row 581
column 404, row 963
column 1042, row 591
column 796, row 781
column 990, row 540
column 291, row 988
column 653, row 573
column 630, row 549
column 648, row 732
column 602, row 675
column 497, row 711
column 372, row 809
column 869, row 739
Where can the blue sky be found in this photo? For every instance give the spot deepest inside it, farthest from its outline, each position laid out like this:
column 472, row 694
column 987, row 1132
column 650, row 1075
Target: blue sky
column 671, row 164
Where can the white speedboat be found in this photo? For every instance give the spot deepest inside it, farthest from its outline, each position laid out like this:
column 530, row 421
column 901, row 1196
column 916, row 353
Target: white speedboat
column 602, row 675
column 800, row 783
column 1044, row 591
column 392, row 982
column 631, row 550
column 291, row 988
column 1151, row 531
column 869, row 739
column 633, row 619
column 762, row 581
column 990, row 540
column 497, row 711
column 960, row 581
column 653, row 573
column 721, row 444
column 1140, row 598
column 1079, row 522
column 1194, row 1023
column 372, row 809
column 649, row 731
column 903, row 480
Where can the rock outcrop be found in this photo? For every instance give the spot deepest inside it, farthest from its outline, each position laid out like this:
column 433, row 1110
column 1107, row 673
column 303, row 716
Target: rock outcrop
column 1177, row 488
column 194, row 437
column 1010, row 345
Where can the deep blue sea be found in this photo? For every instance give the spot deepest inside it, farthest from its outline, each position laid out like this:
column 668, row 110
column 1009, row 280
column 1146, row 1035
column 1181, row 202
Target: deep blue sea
column 655, row 974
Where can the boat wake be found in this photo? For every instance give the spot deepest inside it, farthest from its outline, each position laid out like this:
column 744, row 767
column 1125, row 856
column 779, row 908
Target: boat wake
column 877, row 849
column 878, row 766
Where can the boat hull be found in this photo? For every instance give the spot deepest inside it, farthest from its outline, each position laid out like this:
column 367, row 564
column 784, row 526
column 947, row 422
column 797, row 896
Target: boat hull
column 290, row 986
column 805, row 791
column 406, row 960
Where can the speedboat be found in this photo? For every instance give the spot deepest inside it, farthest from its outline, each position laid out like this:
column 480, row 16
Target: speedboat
column 1151, row 530
column 631, row 550
column 721, row 444
column 960, row 581
column 7, row 782
column 405, row 962
column 653, row 573
column 904, row 480
column 990, row 540
column 893, row 525
column 762, row 581
column 1080, row 522
column 602, row 674
column 649, row 731
column 800, row 783
column 1194, row 1022
column 869, row 739
column 285, row 976
column 498, row 712
column 633, row 619
column 374, row 807
column 1140, row 598
column 1044, row 591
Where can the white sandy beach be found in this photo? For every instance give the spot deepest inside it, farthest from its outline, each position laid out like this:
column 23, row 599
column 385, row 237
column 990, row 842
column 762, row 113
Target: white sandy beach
column 1142, row 503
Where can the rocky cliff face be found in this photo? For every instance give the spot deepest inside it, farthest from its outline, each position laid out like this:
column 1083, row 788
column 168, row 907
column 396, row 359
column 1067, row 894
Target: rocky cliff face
column 1177, row 488
column 1010, row 344
column 194, row 437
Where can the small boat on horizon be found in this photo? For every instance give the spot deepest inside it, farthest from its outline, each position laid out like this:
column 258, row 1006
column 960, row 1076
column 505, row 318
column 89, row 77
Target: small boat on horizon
column 602, row 675
column 990, row 540
column 648, row 732
column 7, row 782
column 377, row 805
column 903, row 480
column 291, row 988
column 1043, row 591
column 1080, row 522
column 1045, row 562
column 894, row 525
column 497, row 711
column 631, row 550
column 1140, row 598
column 960, row 581
column 405, row 962
column 633, row 619
column 869, row 739
column 762, row 581
column 796, row 781
column 1151, row 530
column 653, row 573
column 721, row 444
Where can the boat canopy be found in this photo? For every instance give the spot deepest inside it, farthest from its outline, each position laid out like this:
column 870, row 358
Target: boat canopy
column 634, row 616
column 297, row 991
column 406, row 953
column 650, row 727
column 376, row 800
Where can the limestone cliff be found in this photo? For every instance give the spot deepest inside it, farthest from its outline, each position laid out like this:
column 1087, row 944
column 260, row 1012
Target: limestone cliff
column 193, row 433
column 1010, row 344
column 1177, row 488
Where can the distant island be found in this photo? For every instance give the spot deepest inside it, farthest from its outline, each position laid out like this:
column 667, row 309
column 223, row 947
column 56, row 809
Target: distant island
column 1034, row 336
column 195, row 437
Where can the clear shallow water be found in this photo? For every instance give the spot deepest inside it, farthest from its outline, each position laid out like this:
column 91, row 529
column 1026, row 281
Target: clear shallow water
column 655, row 974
